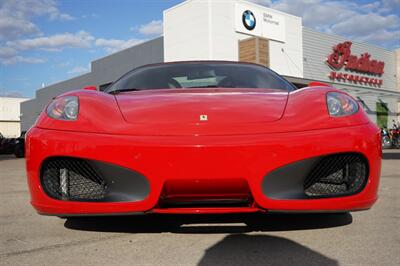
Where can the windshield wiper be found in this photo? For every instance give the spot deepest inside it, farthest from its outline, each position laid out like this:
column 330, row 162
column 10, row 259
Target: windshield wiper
column 118, row 91
column 208, row 86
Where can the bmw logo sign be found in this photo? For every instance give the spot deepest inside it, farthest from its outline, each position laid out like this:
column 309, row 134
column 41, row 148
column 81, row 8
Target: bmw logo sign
column 249, row 20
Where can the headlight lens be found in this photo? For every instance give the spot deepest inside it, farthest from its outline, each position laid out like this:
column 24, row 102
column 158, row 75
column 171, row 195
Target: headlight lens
column 64, row 108
column 340, row 104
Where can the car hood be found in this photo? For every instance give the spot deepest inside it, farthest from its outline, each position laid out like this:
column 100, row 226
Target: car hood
column 180, row 111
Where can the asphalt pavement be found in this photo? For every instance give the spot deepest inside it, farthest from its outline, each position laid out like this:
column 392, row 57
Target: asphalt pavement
column 361, row 238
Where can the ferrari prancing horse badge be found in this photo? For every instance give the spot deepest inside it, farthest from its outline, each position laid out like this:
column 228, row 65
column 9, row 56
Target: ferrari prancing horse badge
column 203, row 118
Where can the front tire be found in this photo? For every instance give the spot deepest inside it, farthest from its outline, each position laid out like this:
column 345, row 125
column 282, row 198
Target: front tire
column 19, row 151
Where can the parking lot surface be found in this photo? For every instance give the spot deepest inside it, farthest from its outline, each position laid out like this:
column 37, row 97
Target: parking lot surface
column 360, row 238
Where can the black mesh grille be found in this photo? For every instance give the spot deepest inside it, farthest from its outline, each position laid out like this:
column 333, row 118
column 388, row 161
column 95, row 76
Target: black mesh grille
column 72, row 179
column 337, row 175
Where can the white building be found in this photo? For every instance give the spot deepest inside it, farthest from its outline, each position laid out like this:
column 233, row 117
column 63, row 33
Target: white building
column 198, row 30
column 10, row 125
column 238, row 30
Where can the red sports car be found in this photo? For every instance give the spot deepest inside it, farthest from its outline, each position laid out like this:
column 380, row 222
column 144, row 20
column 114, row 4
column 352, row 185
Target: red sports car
column 203, row 137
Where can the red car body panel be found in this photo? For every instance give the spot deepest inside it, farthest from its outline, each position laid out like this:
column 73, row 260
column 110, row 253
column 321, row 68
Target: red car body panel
column 305, row 110
column 158, row 133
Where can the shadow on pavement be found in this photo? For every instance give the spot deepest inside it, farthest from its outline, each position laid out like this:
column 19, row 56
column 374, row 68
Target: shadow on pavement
column 241, row 249
column 387, row 155
column 208, row 224
column 5, row 157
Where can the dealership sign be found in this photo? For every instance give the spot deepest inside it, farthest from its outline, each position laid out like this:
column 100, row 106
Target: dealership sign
column 261, row 22
column 360, row 69
column 249, row 20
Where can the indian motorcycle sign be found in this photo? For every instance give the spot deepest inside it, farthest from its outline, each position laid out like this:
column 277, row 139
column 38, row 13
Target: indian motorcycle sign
column 360, row 69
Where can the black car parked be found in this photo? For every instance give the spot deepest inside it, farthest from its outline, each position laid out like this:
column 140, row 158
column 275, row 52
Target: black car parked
column 14, row 146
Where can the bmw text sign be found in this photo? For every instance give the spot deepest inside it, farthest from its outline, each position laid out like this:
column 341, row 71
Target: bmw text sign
column 260, row 21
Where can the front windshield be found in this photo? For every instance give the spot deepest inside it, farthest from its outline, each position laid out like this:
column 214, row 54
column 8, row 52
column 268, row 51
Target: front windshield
column 200, row 75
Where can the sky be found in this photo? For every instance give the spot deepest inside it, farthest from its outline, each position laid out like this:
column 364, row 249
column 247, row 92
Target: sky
column 47, row 41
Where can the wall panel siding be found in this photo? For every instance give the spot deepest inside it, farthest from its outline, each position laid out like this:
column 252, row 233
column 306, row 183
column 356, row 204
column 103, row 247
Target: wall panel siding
column 317, row 46
column 263, row 51
column 10, row 116
column 254, row 50
column 247, row 50
column 10, row 129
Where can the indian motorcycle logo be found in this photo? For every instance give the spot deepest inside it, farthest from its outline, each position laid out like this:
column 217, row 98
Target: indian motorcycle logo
column 341, row 57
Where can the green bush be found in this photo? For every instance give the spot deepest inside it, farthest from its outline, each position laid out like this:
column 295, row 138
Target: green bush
column 382, row 114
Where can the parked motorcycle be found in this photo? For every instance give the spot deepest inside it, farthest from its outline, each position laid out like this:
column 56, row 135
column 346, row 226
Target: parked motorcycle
column 395, row 138
column 386, row 141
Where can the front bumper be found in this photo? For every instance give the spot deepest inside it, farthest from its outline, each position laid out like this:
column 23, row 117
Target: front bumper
column 210, row 160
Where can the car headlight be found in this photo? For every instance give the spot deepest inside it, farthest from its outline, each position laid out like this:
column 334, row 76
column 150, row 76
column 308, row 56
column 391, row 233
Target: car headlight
column 64, row 108
column 340, row 104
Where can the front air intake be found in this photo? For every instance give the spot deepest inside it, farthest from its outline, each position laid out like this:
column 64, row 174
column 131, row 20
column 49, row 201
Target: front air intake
column 333, row 175
column 72, row 179
column 337, row 175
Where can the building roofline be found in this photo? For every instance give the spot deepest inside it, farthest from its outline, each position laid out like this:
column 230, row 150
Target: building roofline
column 62, row 81
column 176, row 6
column 238, row 1
column 272, row 9
column 123, row 50
column 357, row 42
column 16, row 97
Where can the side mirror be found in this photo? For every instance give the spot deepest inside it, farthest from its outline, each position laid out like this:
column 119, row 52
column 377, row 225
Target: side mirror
column 318, row 84
column 90, row 88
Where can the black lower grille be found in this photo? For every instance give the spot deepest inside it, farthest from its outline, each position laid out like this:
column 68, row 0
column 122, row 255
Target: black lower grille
column 206, row 203
column 337, row 175
column 72, row 179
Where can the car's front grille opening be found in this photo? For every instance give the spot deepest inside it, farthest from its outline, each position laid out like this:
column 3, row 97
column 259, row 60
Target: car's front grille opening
column 337, row 175
column 206, row 202
column 206, row 193
column 72, row 179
